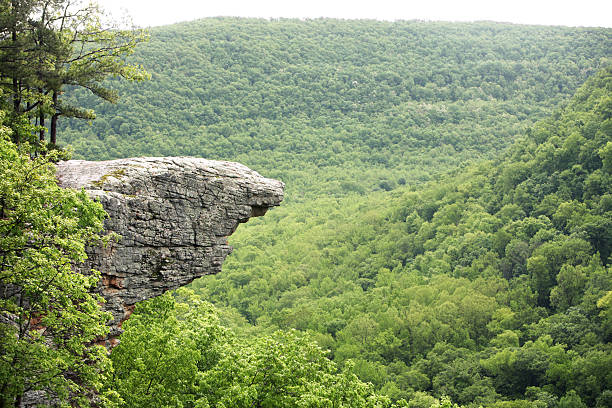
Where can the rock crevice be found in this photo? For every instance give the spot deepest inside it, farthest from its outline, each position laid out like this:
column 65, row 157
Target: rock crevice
column 173, row 216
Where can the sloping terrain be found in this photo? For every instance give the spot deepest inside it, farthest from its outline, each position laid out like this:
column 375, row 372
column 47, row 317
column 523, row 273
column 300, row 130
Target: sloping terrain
column 492, row 284
column 398, row 247
column 337, row 107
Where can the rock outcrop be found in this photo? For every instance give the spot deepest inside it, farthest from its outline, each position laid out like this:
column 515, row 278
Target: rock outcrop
column 173, row 216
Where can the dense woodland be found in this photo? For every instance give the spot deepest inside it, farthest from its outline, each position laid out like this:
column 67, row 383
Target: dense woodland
column 334, row 107
column 493, row 284
column 447, row 234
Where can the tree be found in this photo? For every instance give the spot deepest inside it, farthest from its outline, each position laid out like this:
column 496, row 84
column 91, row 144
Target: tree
column 165, row 346
column 47, row 45
column 571, row 400
column 49, row 320
column 570, row 285
column 174, row 352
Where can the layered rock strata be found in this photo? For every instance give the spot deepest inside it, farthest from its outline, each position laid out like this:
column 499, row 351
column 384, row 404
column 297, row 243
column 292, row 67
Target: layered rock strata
column 173, row 216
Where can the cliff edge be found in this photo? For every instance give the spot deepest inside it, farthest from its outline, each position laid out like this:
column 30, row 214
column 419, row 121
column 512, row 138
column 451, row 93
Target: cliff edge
column 173, row 216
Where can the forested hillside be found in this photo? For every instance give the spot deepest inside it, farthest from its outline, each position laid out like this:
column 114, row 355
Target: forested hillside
column 445, row 240
column 425, row 270
column 337, row 107
column 492, row 285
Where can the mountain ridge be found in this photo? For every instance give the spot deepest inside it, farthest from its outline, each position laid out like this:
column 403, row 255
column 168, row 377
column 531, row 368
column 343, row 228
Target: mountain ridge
column 356, row 106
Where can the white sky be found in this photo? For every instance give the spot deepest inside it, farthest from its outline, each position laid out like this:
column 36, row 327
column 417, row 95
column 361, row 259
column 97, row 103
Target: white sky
column 593, row 13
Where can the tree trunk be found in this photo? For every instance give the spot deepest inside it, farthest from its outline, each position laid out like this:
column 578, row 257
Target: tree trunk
column 42, row 127
column 16, row 93
column 53, row 129
column 52, row 136
column 3, row 398
column 16, row 98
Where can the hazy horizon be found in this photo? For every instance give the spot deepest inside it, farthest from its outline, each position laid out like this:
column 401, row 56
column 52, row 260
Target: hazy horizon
column 588, row 13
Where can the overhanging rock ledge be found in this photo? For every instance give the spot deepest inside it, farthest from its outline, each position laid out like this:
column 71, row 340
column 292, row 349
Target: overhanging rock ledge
column 173, row 215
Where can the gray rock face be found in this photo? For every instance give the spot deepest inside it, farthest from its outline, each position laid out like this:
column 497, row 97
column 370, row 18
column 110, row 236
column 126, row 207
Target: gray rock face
column 173, row 216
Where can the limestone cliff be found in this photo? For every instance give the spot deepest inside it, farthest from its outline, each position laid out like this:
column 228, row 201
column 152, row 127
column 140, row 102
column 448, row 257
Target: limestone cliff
column 173, row 216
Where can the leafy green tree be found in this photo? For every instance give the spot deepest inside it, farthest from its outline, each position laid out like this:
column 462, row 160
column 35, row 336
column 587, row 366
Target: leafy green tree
column 49, row 319
column 605, row 304
column 571, row 282
column 571, row 400
column 166, row 348
column 175, row 353
column 48, row 45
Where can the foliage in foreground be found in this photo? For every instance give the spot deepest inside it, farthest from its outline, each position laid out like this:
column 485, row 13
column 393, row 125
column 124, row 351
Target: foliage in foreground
column 174, row 352
column 48, row 317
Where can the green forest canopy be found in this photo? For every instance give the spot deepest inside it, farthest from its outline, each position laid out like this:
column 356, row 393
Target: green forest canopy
column 490, row 286
column 334, row 106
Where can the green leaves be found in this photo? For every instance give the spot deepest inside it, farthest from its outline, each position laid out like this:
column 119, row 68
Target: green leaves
column 338, row 107
column 175, row 353
column 48, row 47
column 50, row 318
column 505, row 261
